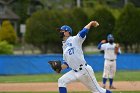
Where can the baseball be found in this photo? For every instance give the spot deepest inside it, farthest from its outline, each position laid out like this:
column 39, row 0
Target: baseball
column 97, row 24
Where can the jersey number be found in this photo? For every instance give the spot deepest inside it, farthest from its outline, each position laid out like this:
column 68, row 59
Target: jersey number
column 71, row 51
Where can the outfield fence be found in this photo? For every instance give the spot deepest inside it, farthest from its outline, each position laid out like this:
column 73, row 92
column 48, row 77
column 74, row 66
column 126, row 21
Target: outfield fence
column 38, row 64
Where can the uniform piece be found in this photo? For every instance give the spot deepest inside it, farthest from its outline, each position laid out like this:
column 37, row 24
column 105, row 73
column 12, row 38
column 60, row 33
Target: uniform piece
column 56, row 65
column 73, row 57
column 110, row 55
column 116, row 50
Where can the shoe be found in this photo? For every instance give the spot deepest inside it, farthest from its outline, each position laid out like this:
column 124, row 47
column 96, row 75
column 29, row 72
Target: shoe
column 112, row 87
column 108, row 91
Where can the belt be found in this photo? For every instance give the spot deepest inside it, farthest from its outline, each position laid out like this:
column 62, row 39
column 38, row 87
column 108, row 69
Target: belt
column 76, row 70
column 111, row 59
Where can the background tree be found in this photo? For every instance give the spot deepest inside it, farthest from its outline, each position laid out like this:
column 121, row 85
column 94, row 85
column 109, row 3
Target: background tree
column 107, row 24
column 135, row 2
column 41, row 27
column 127, row 27
column 81, row 19
column 41, row 30
column 8, row 33
column 20, row 7
column 6, row 48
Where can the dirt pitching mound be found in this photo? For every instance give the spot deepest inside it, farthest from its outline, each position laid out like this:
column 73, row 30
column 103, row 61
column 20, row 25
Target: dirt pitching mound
column 77, row 86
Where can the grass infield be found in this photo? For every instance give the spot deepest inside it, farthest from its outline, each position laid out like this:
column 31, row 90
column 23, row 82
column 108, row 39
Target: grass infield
column 120, row 76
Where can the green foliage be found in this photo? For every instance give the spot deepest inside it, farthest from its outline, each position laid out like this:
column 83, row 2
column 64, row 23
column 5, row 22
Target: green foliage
column 20, row 7
column 106, row 21
column 42, row 25
column 135, row 2
column 116, row 12
column 41, row 30
column 81, row 19
column 120, row 76
column 5, row 48
column 8, row 33
column 127, row 26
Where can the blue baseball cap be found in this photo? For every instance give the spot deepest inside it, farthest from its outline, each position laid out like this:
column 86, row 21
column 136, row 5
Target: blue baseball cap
column 66, row 28
column 110, row 37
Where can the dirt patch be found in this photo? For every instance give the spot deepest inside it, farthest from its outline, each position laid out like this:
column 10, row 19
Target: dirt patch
column 77, row 86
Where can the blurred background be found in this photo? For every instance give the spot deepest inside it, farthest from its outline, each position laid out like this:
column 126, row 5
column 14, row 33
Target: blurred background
column 28, row 30
column 29, row 26
column 28, row 36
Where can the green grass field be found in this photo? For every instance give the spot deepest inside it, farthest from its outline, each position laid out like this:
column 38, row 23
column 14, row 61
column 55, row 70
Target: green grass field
column 113, row 92
column 120, row 76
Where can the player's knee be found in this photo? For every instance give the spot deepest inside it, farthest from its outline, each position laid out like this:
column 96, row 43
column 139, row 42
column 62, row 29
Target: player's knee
column 111, row 76
column 61, row 82
column 105, row 76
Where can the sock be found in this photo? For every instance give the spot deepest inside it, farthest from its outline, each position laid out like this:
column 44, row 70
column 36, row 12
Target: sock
column 108, row 91
column 62, row 90
column 111, row 81
column 104, row 80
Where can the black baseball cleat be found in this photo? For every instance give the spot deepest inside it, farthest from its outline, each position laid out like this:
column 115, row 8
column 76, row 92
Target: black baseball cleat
column 112, row 87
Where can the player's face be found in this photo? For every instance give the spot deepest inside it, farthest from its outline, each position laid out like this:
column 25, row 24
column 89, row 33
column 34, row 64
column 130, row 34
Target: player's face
column 111, row 40
column 64, row 33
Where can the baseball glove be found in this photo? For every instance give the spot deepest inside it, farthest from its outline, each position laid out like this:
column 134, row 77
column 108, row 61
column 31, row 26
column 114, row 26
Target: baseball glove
column 55, row 65
column 116, row 50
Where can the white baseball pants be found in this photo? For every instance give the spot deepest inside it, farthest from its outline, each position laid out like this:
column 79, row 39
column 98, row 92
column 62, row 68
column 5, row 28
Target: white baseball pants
column 85, row 76
column 109, row 69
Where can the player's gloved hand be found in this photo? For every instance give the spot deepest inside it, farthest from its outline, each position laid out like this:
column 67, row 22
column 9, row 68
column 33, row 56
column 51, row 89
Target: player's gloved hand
column 56, row 65
column 116, row 50
column 103, row 41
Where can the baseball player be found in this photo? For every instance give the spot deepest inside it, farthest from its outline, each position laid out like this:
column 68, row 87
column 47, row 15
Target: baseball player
column 111, row 50
column 73, row 58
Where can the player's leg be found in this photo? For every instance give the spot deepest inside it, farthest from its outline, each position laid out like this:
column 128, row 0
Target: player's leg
column 105, row 73
column 112, row 74
column 88, row 79
column 64, row 80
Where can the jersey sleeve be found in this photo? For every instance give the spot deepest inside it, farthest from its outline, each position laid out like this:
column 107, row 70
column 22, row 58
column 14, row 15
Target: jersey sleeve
column 119, row 52
column 103, row 46
column 81, row 36
column 83, row 32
